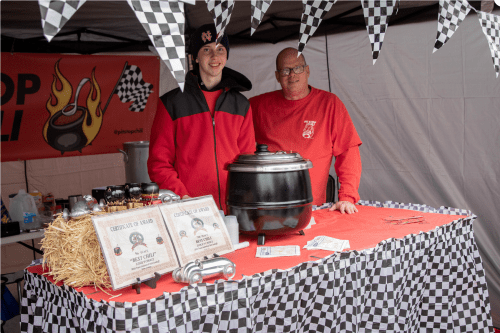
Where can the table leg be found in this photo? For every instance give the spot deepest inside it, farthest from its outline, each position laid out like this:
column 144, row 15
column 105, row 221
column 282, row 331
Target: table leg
column 35, row 250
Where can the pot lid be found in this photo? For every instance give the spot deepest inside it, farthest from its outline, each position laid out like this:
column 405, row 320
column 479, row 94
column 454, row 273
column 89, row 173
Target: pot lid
column 264, row 160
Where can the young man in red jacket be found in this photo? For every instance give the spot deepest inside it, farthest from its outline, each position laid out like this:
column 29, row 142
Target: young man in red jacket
column 196, row 133
column 314, row 123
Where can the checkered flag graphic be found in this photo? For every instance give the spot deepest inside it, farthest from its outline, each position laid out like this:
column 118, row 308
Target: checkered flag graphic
column 221, row 13
column 491, row 29
column 164, row 22
column 132, row 88
column 259, row 8
column 377, row 13
column 451, row 14
column 55, row 14
column 314, row 11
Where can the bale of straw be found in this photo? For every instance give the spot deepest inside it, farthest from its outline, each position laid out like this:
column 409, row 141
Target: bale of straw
column 72, row 252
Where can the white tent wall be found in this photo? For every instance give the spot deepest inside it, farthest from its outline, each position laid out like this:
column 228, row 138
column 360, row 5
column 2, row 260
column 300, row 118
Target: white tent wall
column 430, row 123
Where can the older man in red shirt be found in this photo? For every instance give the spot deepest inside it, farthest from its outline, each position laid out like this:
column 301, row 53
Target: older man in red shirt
column 314, row 123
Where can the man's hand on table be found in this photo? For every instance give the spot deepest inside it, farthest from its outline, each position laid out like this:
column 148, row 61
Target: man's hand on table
column 344, row 207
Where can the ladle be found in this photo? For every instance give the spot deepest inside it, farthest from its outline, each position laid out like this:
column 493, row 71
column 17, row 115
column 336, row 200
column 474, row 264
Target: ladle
column 74, row 104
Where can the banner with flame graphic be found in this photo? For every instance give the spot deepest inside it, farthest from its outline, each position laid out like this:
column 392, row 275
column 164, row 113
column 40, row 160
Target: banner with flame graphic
column 71, row 105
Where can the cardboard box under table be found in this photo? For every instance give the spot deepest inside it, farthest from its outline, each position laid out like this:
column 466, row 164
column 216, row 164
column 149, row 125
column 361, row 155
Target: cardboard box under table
column 409, row 277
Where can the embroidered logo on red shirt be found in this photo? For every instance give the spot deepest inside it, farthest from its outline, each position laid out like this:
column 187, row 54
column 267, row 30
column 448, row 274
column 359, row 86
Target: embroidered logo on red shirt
column 308, row 131
column 206, row 36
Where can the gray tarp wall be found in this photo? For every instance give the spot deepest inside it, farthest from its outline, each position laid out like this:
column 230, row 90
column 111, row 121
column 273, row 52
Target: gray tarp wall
column 430, row 123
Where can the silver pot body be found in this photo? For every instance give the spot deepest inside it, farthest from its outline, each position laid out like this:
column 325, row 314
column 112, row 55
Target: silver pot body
column 135, row 156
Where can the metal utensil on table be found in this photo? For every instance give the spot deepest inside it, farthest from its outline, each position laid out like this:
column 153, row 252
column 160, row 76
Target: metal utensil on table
column 79, row 209
column 73, row 199
column 168, row 196
column 65, row 214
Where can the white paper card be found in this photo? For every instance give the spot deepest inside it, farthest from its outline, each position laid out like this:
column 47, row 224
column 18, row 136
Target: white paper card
column 327, row 243
column 277, row 251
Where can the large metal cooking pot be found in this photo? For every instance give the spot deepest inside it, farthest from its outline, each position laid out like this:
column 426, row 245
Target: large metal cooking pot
column 135, row 156
column 270, row 192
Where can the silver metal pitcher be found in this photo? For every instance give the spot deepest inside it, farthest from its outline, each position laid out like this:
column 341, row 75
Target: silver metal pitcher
column 135, row 156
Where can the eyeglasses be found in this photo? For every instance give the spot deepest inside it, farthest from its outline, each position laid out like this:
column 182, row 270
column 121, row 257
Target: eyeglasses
column 296, row 70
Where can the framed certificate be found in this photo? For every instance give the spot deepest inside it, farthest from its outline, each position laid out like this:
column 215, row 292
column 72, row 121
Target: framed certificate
column 135, row 244
column 196, row 228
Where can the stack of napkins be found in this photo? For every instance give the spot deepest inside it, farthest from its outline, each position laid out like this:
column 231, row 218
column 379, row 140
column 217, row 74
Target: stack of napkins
column 327, row 243
column 277, row 251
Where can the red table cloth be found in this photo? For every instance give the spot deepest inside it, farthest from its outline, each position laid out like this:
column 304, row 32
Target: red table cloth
column 364, row 230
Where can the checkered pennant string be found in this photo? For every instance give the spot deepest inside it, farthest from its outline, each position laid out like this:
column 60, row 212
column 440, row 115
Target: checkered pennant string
column 491, row 29
column 259, row 8
column 377, row 13
column 164, row 23
column 221, row 13
column 314, row 11
column 451, row 14
column 55, row 14
column 132, row 88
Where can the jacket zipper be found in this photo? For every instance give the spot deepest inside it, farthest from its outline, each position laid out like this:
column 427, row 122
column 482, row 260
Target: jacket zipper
column 216, row 164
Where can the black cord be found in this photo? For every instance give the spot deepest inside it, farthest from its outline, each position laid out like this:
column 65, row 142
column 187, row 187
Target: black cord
column 338, row 188
column 26, row 176
column 327, row 63
column 336, row 194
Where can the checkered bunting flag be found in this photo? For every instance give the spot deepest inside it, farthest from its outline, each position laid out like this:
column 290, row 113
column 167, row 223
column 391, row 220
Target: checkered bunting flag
column 132, row 88
column 259, row 8
column 164, row 22
column 377, row 13
column 221, row 13
column 491, row 28
column 451, row 14
column 55, row 14
column 314, row 11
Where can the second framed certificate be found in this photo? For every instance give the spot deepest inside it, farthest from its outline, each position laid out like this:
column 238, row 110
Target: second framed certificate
column 196, row 228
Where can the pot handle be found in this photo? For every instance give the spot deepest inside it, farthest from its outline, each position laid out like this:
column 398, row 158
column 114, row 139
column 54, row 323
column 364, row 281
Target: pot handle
column 261, row 149
column 125, row 156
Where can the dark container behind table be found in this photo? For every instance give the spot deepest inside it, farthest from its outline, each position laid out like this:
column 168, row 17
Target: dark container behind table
column 9, row 227
column 98, row 193
column 61, row 204
column 150, row 193
column 115, row 194
column 270, row 192
column 133, row 192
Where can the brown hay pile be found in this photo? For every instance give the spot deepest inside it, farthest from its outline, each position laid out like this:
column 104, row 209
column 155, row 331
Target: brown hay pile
column 72, row 252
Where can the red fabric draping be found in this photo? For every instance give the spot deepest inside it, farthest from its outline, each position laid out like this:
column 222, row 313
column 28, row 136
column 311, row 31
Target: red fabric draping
column 364, row 229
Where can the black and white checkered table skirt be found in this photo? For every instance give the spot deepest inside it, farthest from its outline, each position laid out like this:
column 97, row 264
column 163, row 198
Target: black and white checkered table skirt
column 429, row 282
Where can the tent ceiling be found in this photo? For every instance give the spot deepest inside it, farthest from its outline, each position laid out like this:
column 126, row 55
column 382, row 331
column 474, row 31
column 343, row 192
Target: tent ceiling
column 100, row 26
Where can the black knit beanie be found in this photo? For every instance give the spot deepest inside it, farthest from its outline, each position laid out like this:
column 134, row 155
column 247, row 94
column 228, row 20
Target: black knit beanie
column 205, row 34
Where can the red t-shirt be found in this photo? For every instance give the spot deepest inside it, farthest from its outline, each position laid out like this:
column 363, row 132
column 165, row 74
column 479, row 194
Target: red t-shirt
column 318, row 127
